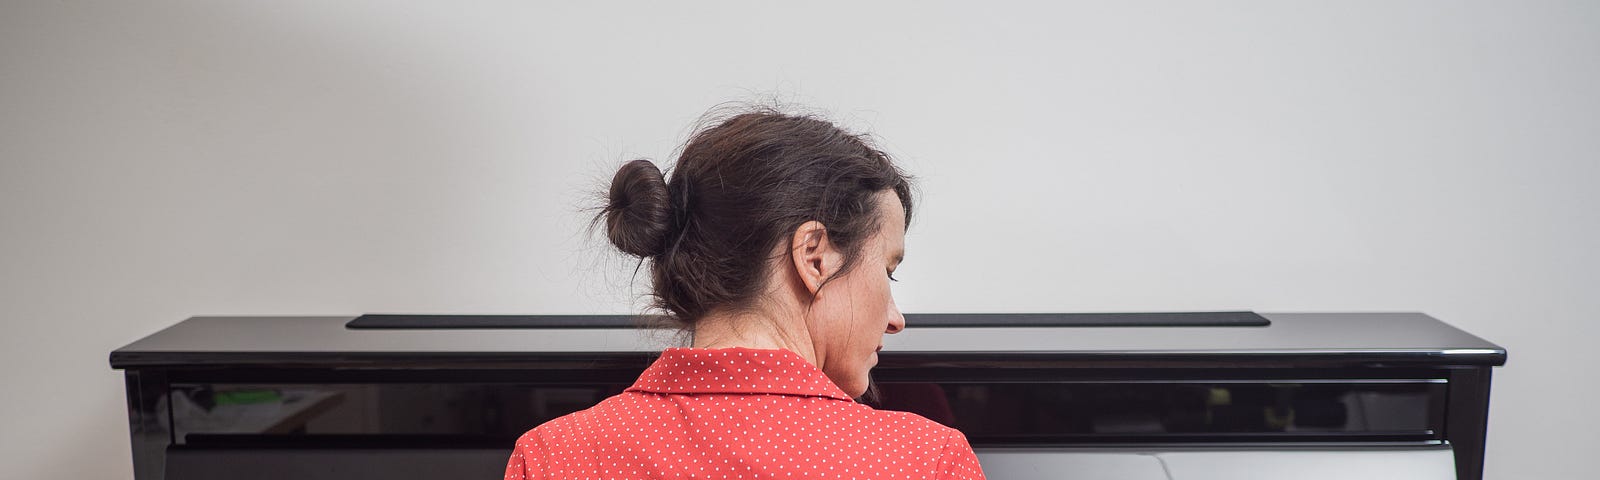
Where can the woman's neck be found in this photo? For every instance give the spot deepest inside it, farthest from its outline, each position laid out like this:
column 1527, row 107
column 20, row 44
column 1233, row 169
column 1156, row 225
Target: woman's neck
column 762, row 331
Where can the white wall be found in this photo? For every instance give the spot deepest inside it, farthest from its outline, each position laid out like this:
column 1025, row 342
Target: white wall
column 160, row 160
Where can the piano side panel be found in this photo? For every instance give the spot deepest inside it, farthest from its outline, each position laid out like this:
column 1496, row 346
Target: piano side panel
column 149, row 428
column 1467, row 421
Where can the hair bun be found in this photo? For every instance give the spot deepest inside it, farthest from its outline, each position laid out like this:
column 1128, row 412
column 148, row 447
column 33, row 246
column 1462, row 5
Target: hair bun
column 639, row 214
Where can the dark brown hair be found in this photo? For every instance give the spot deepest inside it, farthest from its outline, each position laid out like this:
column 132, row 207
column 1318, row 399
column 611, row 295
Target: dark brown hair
column 738, row 190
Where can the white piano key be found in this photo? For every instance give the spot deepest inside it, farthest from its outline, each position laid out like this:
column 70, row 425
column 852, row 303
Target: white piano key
column 1431, row 463
column 1043, row 464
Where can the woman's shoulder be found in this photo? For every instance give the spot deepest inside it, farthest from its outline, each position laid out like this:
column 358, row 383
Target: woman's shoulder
column 907, row 424
column 559, row 428
column 919, row 437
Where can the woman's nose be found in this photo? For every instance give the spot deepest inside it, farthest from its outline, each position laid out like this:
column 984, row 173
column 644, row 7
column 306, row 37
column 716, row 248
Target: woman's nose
column 897, row 322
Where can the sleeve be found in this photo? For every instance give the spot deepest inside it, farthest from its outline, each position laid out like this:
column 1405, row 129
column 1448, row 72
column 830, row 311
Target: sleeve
column 957, row 461
column 527, row 459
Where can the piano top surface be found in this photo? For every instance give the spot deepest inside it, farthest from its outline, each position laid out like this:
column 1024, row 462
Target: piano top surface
column 266, row 339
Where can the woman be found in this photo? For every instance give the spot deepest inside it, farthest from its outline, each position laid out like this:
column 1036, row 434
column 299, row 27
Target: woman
column 774, row 242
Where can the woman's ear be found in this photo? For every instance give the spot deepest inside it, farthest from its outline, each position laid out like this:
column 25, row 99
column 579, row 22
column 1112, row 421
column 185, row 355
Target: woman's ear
column 814, row 256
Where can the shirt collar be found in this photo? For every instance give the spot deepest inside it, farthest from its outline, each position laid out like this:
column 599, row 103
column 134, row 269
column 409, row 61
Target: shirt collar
column 735, row 370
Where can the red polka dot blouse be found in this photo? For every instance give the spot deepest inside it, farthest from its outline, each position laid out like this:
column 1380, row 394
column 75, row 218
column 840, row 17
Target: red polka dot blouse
column 739, row 413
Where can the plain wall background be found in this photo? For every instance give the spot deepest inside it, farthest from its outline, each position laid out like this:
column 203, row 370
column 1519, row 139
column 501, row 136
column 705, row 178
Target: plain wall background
column 160, row 160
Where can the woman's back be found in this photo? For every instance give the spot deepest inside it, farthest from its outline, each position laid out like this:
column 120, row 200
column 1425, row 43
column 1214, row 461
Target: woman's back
column 739, row 413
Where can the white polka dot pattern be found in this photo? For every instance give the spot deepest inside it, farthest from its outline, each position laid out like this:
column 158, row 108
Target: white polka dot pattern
column 739, row 413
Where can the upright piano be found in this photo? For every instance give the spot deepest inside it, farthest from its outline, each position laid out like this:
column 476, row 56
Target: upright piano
column 1192, row 395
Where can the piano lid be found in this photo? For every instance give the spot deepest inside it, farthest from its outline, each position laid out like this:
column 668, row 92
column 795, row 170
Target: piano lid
column 1351, row 337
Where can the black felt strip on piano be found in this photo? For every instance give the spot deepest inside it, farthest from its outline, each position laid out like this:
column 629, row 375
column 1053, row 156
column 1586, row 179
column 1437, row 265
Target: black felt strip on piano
column 913, row 320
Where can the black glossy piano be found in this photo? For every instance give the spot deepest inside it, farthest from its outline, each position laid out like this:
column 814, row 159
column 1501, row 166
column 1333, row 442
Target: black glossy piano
column 1191, row 395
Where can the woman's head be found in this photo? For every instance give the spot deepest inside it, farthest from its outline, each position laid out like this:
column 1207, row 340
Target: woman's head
column 765, row 205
